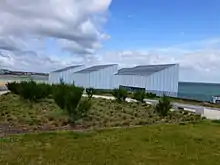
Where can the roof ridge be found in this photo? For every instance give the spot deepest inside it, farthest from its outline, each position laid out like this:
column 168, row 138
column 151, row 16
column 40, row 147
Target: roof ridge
column 66, row 68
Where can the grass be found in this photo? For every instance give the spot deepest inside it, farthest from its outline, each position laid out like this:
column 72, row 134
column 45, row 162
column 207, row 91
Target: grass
column 196, row 144
column 19, row 114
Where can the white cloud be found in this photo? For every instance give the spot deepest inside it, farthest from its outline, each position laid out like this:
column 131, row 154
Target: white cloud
column 199, row 64
column 27, row 25
column 43, row 35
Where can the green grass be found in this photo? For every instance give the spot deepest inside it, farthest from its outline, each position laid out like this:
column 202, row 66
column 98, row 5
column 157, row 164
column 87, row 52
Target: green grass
column 18, row 112
column 193, row 144
column 45, row 114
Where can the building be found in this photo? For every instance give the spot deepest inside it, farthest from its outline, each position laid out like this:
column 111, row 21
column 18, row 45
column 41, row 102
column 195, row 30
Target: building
column 65, row 74
column 98, row 77
column 159, row 79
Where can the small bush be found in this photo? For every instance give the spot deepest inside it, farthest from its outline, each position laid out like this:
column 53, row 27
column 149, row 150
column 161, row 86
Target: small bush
column 90, row 92
column 68, row 98
column 30, row 90
column 120, row 94
column 72, row 100
column 59, row 93
column 163, row 106
column 139, row 95
column 14, row 87
column 83, row 108
column 151, row 95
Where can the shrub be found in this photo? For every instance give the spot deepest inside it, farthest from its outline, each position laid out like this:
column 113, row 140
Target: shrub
column 59, row 93
column 83, row 107
column 32, row 91
column 90, row 92
column 68, row 98
column 72, row 99
column 120, row 94
column 163, row 106
column 151, row 95
column 28, row 90
column 139, row 95
column 14, row 87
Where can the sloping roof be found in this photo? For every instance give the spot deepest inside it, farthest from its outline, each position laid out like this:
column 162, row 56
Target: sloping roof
column 94, row 68
column 67, row 68
column 143, row 70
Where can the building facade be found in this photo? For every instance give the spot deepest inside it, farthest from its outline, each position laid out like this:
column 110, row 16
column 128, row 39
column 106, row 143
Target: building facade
column 158, row 79
column 98, row 77
column 65, row 74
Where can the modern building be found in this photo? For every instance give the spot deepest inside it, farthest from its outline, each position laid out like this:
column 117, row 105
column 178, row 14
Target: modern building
column 159, row 79
column 65, row 74
column 99, row 76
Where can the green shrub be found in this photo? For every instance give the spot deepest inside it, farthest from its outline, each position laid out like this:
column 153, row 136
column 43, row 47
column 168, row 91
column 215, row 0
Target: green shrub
column 83, row 108
column 59, row 93
column 151, row 95
column 120, row 94
column 90, row 92
column 68, row 98
column 139, row 95
column 14, row 87
column 30, row 90
column 43, row 91
column 72, row 100
column 163, row 106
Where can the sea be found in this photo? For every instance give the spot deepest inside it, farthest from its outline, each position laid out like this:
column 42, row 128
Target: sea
column 189, row 90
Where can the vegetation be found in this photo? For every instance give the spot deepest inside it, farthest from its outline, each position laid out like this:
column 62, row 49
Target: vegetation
column 173, row 144
column 90, row 92
column 30, row 90
column 151, row 95
column 67, row 97
column 139, row 95
column 120, row 94
column 46, row 114
column 163, row 106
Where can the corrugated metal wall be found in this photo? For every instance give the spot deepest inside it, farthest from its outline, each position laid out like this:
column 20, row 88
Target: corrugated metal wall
column 102, row 79
column 54, row 77
column 165, row 81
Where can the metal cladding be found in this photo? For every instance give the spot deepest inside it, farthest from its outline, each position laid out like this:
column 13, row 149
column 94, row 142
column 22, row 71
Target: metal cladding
column 159, row 79
column 143, row 70
column 64, row 74
column 99, row 77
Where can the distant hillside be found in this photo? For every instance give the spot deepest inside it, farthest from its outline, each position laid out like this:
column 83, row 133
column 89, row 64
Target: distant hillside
column 9, row 72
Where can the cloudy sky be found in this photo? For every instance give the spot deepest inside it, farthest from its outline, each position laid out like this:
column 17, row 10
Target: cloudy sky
column 43, row 35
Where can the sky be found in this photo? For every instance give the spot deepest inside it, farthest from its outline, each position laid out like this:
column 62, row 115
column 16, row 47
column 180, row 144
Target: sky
column 42, row 36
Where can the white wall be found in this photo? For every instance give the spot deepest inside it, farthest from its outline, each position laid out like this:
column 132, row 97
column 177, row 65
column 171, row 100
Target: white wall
column 54, row 77
column 130, row 80
column 165, row 81
column 102, row 79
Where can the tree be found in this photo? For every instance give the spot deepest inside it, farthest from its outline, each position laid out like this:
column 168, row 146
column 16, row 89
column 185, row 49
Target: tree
column 163, row 106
